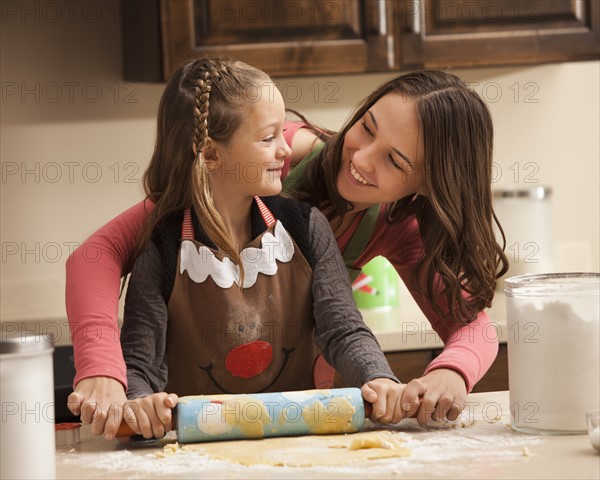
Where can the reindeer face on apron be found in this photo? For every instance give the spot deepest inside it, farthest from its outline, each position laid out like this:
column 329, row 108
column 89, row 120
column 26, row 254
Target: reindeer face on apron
column 226, row 339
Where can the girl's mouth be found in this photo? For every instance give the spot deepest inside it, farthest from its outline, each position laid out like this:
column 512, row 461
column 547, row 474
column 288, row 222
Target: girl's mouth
column 357, row 178
column 275, row 169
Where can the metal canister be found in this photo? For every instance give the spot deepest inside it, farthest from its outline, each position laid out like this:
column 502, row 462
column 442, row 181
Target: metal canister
column 27, row 442
column 526, row 218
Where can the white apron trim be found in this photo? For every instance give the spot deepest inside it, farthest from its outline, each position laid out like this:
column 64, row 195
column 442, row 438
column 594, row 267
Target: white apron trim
column 200, row 263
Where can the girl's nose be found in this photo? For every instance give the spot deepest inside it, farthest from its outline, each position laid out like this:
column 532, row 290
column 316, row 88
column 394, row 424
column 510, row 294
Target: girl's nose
column 284, row 151
column 364, row 159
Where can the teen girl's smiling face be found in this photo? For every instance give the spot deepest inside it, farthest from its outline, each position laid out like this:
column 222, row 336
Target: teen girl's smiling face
column 382, row 155
column 251, row 163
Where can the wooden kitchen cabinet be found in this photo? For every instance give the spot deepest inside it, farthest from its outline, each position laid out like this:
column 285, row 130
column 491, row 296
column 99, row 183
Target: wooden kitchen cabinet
column 282, row 37
column 308, row 37
column 465, row 33
column 411, row 364
column 405, row 365
column 496, row 378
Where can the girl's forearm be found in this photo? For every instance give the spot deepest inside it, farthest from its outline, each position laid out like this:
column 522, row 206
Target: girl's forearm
column 346, row 342
column 92, row 310
column 93, row 276
column 144, row 333
column 469, row 350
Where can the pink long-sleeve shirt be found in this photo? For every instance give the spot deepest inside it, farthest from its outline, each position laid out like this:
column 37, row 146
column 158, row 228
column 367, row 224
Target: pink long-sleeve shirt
column 94, row 273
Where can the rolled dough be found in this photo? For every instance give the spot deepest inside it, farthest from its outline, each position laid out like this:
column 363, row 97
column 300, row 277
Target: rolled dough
column 305, row 451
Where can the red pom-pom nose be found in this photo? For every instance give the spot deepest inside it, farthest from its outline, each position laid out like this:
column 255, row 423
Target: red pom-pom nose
column 250, row 359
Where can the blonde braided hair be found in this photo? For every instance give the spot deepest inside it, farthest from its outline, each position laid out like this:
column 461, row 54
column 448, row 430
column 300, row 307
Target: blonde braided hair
column 215, row 70
column 203, row 88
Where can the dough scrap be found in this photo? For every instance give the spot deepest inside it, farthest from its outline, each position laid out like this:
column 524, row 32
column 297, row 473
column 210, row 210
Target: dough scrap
column 463, row 424
column 168, row 450
column 306, row 451
column 372, row 441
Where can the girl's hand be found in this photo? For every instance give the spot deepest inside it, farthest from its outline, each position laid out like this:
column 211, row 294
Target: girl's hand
column 385, row 395
column 151, row 415
column 99, row 401
column 439, row 394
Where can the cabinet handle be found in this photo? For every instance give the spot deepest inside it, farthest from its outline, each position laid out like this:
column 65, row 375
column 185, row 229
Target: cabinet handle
column 416, row 17
column 382, row 17
column 383, row 31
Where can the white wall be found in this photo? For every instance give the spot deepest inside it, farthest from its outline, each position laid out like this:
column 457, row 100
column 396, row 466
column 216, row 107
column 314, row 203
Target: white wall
column 72, row 130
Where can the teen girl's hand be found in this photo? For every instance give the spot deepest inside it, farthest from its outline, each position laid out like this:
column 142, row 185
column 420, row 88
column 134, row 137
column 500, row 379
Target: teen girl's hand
column 99, row 401
column 385, row 395
column 151, row 416
column 439, row 394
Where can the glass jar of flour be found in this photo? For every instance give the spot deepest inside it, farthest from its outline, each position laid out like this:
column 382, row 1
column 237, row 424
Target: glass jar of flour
column 553, row 323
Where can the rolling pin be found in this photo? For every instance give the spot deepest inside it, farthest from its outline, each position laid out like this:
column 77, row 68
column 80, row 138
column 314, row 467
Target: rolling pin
column 207, row 418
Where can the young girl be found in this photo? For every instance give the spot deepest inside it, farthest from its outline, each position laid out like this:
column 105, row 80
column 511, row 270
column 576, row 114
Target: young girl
column 231, row 291
column 408, row 177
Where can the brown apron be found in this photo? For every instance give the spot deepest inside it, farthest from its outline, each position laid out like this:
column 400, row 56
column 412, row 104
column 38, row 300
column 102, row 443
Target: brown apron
column 226, row 339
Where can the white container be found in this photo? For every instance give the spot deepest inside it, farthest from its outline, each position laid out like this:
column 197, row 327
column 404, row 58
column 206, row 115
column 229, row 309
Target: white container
column 526, row 218
column 553, row 342
column 27, row 397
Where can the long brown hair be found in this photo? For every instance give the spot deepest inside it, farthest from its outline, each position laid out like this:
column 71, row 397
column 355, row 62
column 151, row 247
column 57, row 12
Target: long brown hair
column 203, row 98
column 455, row 214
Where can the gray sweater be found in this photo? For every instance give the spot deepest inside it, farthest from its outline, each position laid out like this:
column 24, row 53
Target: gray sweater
column 345, row 341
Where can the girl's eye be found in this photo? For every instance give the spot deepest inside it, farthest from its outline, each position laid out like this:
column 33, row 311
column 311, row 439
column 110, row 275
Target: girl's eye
column 269, row 139
column 393, row 162
column 366, row 128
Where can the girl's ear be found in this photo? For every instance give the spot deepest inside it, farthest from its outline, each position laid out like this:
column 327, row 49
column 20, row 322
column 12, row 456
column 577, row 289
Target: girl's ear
column 210, row 154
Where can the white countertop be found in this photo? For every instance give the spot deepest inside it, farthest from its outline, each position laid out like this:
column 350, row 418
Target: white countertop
column 407, row 328
column 481, row 445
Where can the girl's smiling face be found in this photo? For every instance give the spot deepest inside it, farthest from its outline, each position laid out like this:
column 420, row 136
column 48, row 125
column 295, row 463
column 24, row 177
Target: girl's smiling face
column 382, row 155
column 252, row 162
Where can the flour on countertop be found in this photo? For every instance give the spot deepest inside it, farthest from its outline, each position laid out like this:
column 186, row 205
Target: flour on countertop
column 438, row 450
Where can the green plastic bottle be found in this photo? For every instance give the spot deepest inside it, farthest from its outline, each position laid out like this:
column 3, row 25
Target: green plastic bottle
column 377, row 287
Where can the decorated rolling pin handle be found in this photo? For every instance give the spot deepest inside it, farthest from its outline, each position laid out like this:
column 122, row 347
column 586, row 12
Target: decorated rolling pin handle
column 232, row 417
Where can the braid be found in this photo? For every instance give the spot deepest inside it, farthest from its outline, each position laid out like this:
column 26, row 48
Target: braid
column 214, row 70
column 203, row 88
column 218, row 67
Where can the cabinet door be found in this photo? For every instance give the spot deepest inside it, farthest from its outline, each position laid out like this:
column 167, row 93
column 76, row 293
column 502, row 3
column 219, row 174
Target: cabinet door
column 496, row 378
column 282, row 37
column 409, row 365
column 440, row 33
column 406, row 365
